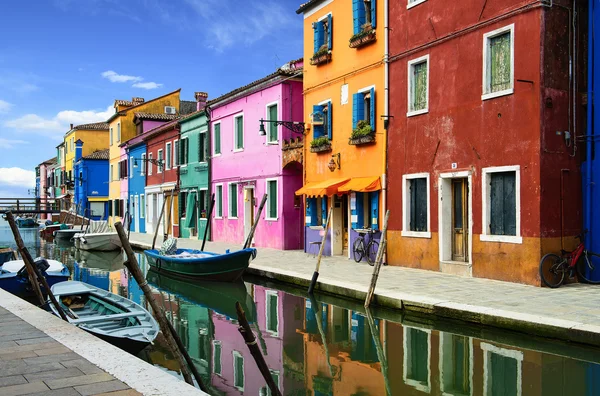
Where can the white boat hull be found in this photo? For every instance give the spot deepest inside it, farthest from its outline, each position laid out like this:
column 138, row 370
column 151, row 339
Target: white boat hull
column 107, row 241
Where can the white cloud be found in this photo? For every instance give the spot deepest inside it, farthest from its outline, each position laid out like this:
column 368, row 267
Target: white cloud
column 33, row 121
column 4, row 106
column 147, row 85
column 10, row 143
column 113, row 76
column 17, row 177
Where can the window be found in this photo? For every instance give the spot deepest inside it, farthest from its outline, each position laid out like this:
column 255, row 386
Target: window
column 217, row 133
column 501, row 370
column 97, row 209
column 217, row 348
column 202, row 146
column 150, row 164
column 239, row 133
column 142, row 206
column 131, row 162
column 184, row 155
column 412, row 3
column 363, row 111
column 118, row 132
column 322, row 120
column 501, row 206
column 498, row 62
column 265, row 390
column 233, row 201
column 219, row 200
column 272, row 198
column 161, row 164
column 415, row 205
column 417, row 356
column 169, row 155
column 143, row 165
column 176, row 154
column 112, row 173
column 364, row 210
column 418, row 88
column 80, row 178
column 323, row 35
column 456, row 364
column 238, row 370
column 272, row 128
column 111, row 136
column 272, row 313
column 364, row 13
column 123, row 169
column 203, row 203
column 316, row 211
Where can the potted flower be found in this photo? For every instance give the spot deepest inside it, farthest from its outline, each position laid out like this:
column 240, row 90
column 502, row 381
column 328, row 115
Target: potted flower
column 321, row 56
column 364, row 37
column 362, row 134
column 203, row 214
column 320, row 144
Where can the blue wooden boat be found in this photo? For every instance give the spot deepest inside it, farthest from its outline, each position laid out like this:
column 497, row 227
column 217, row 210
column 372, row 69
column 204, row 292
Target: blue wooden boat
column 195, row 264
column 6, row 254
column 14, row 279
column 26, row 222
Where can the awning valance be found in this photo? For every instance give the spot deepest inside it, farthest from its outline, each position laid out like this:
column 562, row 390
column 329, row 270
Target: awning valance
column 319, row 189
column 97, row 199
column 361, row 184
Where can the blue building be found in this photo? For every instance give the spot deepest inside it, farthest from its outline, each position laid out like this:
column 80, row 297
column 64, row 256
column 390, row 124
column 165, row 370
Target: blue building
column 91, row 184
column 136, row 152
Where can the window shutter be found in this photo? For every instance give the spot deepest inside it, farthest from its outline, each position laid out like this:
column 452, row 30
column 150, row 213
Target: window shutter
column 374, row 13
column 356, row 5
column 372, row 110
column 320, row 35
column 318, row 129
column 329, row 124
column 218, row 139
column 186, row 153
column 311, row 212
column 503, row 215
column 330, row 32
column 496, row 207
column 356, row 98
column 374, row 210
column 206, row 145
column 510, row 204
column 316, row 36
column 110, row 208
column 360, row 209
column 324, row 210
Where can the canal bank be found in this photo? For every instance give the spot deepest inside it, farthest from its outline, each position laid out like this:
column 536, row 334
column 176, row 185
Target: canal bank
column 570, row 313
column 41, row 354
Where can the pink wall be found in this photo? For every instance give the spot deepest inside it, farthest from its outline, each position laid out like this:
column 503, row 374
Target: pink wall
column 124, row 183
column 256, row 163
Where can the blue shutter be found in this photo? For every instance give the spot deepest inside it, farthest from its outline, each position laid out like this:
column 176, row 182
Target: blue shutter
column 315, row 36
column 356, row 4
column 360, row 209
column 320, row 35
column 318, row 129
column 374, row 13
column 353, row 212
column 329, row 124
column 330, row 31
column 311, row 211
column 355, row 103
column 324, row 210
column 372, row 110
column 374, row 210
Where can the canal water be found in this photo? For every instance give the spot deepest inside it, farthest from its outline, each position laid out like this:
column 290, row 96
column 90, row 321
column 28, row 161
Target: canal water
column 331, row 346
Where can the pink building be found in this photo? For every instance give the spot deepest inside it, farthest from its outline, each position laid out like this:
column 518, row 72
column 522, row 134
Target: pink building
column 46, row 185
column 246, row 164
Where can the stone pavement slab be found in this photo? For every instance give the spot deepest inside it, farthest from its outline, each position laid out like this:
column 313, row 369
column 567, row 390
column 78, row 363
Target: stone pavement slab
column 534, row 310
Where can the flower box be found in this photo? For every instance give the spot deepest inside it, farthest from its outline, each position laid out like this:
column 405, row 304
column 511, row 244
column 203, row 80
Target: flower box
column 321, row 149
column 362, row 39
column 319, row 59
column 358, row 141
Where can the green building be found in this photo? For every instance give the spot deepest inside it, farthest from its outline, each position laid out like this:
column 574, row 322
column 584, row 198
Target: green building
column 194, row 171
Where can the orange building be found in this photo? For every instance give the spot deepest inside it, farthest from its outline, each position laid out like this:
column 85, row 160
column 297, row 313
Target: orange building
column 345, row 101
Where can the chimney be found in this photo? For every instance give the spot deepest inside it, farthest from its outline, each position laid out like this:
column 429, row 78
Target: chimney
column 78, row 149
column 71, row 127
column 137, row 100
column 200, row 100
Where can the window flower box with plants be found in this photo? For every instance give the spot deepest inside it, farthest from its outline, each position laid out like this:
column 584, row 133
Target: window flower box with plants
column 365, row 36
column 203, row 214
column 320, row 145
column 362, row 134
column 323, row 55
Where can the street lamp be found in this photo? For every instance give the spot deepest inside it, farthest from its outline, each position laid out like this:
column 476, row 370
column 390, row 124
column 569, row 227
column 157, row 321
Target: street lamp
column 294, row 126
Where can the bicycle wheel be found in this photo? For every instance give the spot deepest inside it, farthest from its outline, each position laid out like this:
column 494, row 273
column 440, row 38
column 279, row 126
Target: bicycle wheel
column 552, row 270
column 358, row 249
column 586, row 270
column 372, row 248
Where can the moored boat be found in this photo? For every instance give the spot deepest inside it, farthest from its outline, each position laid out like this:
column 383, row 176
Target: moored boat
column 98, row 236
column 26, row 222
column 66, row 235
column 108, row 316
column 48, row 230
column 14, row 279
column 7, row 254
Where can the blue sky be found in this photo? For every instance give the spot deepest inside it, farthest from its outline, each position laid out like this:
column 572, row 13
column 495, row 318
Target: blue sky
column 66, row 61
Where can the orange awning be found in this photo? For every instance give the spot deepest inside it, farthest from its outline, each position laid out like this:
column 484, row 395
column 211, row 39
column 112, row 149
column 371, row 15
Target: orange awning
column 361, row 184
column 319, row 189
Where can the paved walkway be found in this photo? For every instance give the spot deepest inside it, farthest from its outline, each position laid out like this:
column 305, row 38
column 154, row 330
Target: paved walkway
column 571, row 312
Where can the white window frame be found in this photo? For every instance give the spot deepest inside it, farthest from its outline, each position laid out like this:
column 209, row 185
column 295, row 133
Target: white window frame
column 131, row 160
column 229, row 200
column 236, row 354
column 443, row 363
column 486, row 174
column 410, row 382
column 410, row 4
column 235, row 142
column 160, row 168
column 203, row 132
column 150, row 164
column 205, row 189
column 486, row 94
column 267, row 141
column 217, row 200
column 142, row 206
column 118, row 132
column 175, row 153
column 169, row 152
column 411, row 63
column 187, row 156
column 406, row 232
column 510, row 353
column 269, row 198
column 220, row 344
column 143, row 165
column 268, row 294
column 214, row 153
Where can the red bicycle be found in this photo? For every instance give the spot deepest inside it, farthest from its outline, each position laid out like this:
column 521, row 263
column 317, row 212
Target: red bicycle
column 554, row 267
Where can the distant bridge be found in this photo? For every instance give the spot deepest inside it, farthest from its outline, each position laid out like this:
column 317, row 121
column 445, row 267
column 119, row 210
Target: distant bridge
column 33, row 205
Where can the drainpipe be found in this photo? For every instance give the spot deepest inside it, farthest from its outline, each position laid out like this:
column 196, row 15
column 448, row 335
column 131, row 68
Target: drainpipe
column 590, row 132
column 386, row 107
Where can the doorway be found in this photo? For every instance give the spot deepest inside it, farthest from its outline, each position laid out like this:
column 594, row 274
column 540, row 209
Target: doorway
column 136, row 214
column 460, row 219
column 339, row 225
column 248, row 210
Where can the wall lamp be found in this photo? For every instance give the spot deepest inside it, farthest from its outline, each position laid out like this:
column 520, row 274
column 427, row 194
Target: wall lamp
column 333, row 164
column 151, row 160
column 294, row 126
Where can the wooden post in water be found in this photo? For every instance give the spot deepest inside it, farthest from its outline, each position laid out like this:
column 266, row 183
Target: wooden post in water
column 379, row 348
column 313, row 281
column 378, row 260
column 166, row 230
column 246, row 332
column 209, row 215
column 318, row 316
column 134, row 269
column 248, row 242
column 162, row 211
column 32, row 270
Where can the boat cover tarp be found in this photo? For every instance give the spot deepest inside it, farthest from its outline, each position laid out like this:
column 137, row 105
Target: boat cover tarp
column 98, row 227
column 16, row 265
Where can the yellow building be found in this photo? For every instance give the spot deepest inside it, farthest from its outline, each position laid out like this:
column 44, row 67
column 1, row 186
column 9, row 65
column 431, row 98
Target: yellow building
column 122, row 128
column 345, row 106
column 94, row 137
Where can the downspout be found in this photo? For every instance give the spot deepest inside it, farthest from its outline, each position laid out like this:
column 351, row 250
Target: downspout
column 590, row 100
column 207, row 112
column 386, row 106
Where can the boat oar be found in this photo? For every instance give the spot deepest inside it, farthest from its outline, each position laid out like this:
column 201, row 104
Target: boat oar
column 32, row 270
column 246, row 332
column 378, row 260
column 210, row 210
column 313, row 282
column 248, row 242
column 134, row 269
column 162, row 211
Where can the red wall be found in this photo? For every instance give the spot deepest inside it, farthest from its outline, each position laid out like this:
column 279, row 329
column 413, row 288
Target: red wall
column 154, row 144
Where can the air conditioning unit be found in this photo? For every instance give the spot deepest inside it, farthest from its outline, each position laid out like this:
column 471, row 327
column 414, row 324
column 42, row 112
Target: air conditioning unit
column 170, row 110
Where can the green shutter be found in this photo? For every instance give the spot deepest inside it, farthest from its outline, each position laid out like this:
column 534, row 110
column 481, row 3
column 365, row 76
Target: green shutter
column 272, row 191
column 273, row 306
column 218, row 139
column 418, row 204
column 418, row 352
column 272, row 126
column 217, row 359
column 239, row 130
column 239, row 371
column 220, row 201
column 419, row 99
column 500, row 62
column 503, row 213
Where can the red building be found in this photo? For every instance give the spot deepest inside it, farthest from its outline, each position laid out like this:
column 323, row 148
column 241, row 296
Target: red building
column 482, row 155
column 162, row 146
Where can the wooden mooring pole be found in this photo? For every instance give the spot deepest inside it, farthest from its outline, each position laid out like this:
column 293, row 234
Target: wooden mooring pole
column 209, row 215
column 134, row 269
column 313, row 281
column 162, row 211
column 166, row 230
column 248, row 242
column 318, row 311
column 380, row 353
column 246, row 332
column 378, row 260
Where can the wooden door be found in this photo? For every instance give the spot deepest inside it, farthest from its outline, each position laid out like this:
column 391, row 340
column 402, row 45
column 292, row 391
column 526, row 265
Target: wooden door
column 248, row 211
column 345, row 223
column 460, row 219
